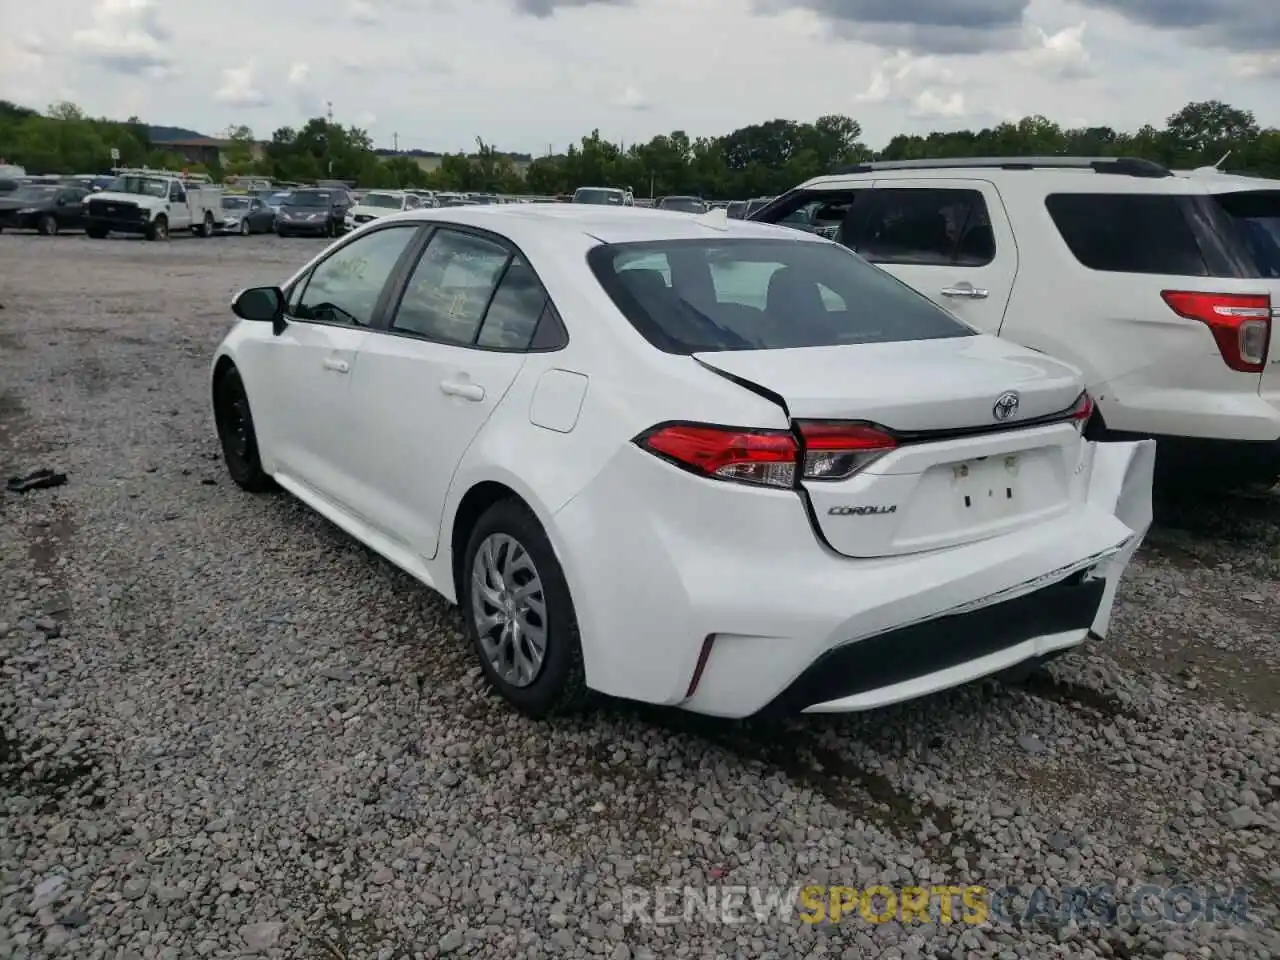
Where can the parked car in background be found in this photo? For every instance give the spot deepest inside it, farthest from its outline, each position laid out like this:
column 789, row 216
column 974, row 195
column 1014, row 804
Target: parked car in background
column 276, row 199
column 313, row 212
column 736, row 210
column 603, row 196
column 154, row 203
column 838, row 495
column 379, row 203
column 682, row 204
column 245, row 215
column 1163, row 289
column 47, row 209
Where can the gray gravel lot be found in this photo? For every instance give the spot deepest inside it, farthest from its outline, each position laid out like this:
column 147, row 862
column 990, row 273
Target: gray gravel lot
column 227, row 730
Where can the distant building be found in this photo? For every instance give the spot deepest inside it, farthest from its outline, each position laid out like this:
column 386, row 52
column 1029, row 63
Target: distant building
column 205, row 151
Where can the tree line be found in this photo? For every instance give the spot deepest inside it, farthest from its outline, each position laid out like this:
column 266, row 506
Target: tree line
column 761, row 159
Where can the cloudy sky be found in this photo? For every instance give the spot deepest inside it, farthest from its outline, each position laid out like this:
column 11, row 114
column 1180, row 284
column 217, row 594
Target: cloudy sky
column 529, row 74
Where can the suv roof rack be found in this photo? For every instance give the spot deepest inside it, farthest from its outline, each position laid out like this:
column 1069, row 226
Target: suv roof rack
column 1124, row 166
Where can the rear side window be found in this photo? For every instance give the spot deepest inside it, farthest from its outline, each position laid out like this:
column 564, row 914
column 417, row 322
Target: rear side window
column 926, row 227
column 1128, row 233
column 1255, row 218
column 690, row 296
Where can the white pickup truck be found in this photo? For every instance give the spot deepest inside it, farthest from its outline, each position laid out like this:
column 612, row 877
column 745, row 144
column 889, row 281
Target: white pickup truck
column 154, row 203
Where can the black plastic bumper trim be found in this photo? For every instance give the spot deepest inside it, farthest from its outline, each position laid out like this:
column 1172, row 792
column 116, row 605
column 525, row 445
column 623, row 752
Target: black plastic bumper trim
column 947, row 641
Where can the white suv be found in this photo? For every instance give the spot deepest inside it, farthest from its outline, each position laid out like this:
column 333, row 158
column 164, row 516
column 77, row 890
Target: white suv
column 1163, row 289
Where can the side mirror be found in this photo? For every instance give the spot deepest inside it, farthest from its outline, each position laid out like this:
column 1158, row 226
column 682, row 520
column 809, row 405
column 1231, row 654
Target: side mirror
column 259, row 304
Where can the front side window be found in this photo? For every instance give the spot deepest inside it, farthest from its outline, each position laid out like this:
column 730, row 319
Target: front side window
column 450, row 287
column 927, row 227
column 345, row 287
column 689, row 296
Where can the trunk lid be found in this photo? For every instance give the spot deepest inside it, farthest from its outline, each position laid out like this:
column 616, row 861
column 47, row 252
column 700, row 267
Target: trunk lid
column 941, row 384
column 955, row 476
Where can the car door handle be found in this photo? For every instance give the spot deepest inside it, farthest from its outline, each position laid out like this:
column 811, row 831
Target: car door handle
column 966, row 290
column 336, row 365
column 467, row 391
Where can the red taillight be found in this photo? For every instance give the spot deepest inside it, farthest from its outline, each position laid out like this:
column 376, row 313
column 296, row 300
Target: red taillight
column 834, row 451
column 1082, row 410
column 1240, row 323
column 765, row 457
column 831, row 450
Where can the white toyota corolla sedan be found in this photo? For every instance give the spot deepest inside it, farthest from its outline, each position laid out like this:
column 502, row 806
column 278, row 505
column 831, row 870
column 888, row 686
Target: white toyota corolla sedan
column 687, row 460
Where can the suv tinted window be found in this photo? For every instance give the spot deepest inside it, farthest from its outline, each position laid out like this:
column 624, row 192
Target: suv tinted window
column 1255, row 215
column 688, row 296
column 1128, row 233
column 925, row 226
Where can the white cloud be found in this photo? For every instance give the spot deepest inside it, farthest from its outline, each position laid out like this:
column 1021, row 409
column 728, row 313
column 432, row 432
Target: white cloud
column 1257, row 65
column 900, row 73
column 239, row 90
column 126, row 36
column 931, row 105
column 364, row 13
column 631, row 99
column 1062, row 54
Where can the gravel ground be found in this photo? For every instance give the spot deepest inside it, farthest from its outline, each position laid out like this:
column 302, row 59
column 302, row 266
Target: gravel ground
column 227, row 730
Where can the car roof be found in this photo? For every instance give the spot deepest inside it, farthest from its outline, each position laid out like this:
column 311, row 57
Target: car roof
column 605, row 224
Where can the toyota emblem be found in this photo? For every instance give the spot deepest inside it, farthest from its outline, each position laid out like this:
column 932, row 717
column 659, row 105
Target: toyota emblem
column 1006, row 406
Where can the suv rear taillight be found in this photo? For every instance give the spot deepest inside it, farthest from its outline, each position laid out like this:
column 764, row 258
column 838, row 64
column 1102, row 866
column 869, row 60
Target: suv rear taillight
column 1240, row 323
column 820, row 450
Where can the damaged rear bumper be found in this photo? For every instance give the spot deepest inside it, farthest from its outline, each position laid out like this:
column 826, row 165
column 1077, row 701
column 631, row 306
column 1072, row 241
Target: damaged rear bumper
column 698, row 609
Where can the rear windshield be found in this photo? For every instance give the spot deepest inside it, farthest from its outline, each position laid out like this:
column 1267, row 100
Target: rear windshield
column 689, row 296
column 1256, row 215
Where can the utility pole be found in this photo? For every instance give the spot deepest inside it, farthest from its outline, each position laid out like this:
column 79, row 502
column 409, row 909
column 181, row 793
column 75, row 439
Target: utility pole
column 328, row 134
column 395, row 142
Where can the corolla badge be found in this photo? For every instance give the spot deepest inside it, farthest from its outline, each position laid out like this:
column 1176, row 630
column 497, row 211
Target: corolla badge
column 1006, row 405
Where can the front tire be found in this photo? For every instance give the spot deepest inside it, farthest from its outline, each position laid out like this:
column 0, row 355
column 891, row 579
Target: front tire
column 158, row 229
column 519, row 613
column 244, row 228
column 47, row 226
column 234, row 420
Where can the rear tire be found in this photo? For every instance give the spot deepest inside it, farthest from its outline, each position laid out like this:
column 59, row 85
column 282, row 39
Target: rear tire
column 47, row 226
column 206, row 226
column 510, row 576
column 239, row 441
column 95, row 233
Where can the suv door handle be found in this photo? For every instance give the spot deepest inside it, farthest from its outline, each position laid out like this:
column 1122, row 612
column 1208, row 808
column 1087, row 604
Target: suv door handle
column 467, row 391
column 336, row 365
column 966, row 290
